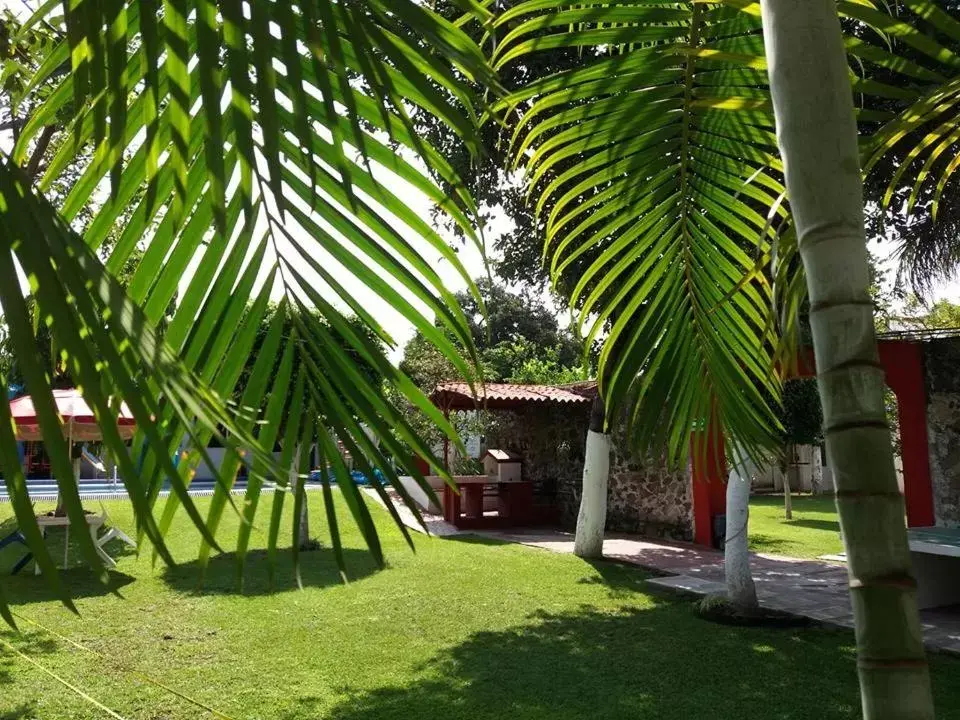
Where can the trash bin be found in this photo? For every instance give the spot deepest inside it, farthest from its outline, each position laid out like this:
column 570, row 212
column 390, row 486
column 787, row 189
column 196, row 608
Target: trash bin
column 719, row 531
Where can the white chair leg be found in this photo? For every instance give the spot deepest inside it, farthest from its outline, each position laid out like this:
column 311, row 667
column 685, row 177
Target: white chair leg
column 36, row 565
column 119, row 535
column 98, row 545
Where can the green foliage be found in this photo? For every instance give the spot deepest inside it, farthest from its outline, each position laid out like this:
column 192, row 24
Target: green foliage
column 917, row 315
column 653, row 168
column 518, row 340
column 211, row 211
column 467, row 466
column 371, row 375
column 802, row 417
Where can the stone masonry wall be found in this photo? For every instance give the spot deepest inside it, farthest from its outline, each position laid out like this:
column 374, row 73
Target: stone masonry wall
column 549, row 438
column 942, row 366
column 644, row 497
column 647, row 498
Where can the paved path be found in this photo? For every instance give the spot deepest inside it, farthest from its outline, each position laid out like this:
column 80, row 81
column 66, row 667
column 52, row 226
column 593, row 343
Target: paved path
column 811, row 588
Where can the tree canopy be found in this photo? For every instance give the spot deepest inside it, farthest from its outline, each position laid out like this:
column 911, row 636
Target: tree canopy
column 518, row 340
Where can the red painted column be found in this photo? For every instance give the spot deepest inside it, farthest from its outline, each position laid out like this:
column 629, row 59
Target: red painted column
column 903, row 363
column 709, row 470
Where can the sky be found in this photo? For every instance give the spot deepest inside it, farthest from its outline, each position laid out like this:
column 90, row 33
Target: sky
column 397, row 326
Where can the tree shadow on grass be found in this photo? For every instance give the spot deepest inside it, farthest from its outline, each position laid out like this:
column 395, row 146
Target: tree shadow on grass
column 477, row 540
column 620, row 579
column 763, row 543
column 658, row 664
column 80, row 582
column 829, row 525
column 318, row 568
column 29, row 642
column 21, row 712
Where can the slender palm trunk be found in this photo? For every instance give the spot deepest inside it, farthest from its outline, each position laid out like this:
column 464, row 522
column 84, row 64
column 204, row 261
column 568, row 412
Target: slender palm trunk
column 736, row 555
column 788, row 471
column 817, row 134
column 592, row 518
column 297, row 483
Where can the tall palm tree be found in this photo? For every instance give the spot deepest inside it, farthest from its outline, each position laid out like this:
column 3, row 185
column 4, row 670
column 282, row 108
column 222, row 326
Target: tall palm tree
column 658, row 155
column 817, row 133
column 656, row 159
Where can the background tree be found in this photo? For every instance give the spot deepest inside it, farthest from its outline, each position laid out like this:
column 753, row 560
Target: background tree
column 802, row 420
column 918, row 315
column 518, row 340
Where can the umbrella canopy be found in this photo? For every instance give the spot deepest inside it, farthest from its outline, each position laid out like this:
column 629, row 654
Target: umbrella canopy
column 78, row 419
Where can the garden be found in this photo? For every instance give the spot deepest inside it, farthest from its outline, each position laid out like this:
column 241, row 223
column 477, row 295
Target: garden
column 464, row 628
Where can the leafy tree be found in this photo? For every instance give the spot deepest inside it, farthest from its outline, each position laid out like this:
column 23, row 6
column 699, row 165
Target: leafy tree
column 518, row 340
column 916, row 315
column 802, row 421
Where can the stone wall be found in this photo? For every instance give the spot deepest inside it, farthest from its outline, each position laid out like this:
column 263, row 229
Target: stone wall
column 550, row 439
column 941, row 360
column 647, row 498
column 643, row 496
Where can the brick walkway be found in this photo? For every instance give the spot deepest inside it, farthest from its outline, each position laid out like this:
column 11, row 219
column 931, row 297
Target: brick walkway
column 814, row 589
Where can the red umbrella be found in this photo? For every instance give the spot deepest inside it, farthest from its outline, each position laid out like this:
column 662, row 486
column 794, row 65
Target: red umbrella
column 78, row 419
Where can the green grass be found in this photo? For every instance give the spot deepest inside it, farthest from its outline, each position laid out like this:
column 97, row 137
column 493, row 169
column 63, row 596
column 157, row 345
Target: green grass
column 812, row 532
column 462, row 630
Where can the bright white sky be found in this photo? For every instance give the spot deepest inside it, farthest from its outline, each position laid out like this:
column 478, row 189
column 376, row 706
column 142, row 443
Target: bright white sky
column 395, row 324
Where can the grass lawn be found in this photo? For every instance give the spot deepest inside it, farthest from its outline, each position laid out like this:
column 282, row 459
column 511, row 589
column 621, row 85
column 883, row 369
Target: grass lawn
column 813, row 531
column 462, row 630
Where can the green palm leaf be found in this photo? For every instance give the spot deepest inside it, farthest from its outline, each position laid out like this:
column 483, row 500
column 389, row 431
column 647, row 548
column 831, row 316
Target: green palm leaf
column 914, row 153
column 240, row 151
column 655, row 165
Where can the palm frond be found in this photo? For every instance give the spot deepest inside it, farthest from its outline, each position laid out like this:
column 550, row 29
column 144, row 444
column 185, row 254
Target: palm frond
column 265, row 164
column 911, row 158
column 111, row 347
column 654, row 163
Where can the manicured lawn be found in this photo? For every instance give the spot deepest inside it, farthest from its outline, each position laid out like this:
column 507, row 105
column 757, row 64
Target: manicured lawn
column 461, row 630
column 812, row 532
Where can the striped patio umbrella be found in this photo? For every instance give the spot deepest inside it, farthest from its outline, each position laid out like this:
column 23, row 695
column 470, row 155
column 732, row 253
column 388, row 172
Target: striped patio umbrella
column 79, row 422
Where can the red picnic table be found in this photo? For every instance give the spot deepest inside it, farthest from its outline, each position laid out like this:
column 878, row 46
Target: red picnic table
column 514, row 503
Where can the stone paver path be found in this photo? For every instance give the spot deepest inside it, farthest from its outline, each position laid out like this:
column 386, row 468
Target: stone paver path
column 810, row 588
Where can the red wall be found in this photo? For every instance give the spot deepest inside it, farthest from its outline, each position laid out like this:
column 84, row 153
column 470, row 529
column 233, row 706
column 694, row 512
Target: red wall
column 709, row 476
column 902, row 362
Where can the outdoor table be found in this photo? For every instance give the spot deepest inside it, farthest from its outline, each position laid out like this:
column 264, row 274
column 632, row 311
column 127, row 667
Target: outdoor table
column 94, row 524
column 80, row 424
column 935, row 555
column 465, row 511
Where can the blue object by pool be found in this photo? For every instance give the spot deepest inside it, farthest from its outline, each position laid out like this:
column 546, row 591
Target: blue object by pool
column 359, row 478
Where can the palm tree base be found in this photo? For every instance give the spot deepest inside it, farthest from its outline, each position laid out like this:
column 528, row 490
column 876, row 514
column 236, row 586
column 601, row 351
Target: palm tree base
column 719, row 609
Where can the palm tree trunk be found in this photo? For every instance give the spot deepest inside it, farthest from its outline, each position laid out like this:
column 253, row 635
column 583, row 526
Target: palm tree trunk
column 817, row 133
column 788, row 470
column 297, row 483
column 592, row 518
column 736, row 554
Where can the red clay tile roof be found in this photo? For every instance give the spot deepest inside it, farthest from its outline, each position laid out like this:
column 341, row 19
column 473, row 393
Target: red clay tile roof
column 459, row 396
